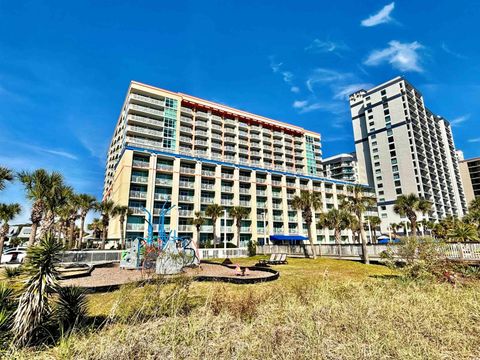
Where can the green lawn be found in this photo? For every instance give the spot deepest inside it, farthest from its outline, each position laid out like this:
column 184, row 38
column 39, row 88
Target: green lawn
column 317, row 309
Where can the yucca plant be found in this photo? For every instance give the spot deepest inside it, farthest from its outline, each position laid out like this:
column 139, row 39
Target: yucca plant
column 11, row 272
column 33, row 308
column 7, row 306
column 71, row 308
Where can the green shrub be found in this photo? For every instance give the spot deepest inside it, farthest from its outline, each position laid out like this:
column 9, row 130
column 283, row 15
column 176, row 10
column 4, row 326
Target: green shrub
column 252, row 248
column 71, row 308
column 11, row 272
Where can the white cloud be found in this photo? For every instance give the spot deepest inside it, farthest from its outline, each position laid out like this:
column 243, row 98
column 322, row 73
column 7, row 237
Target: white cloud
column 305, row 106
column 326, row 46
column 402, row 56
column 451, row 52
column 287, row 76
column 458, row 120
column 382, row 17
column 325, row 76
column 299, row 104
column 275, row 66
column 295, row 89
column 474, row 140
column 342, row 92
column 59, row 153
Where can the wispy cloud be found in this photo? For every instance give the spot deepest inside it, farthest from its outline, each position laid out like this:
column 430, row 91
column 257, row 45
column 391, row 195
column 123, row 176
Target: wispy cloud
column 402, row 56
column 459, row 120
column 322, row 76
column 309, row 105
column 381, row 17
column 326, row 46
column 474, row 140
column 343, row 91
column 55, row 152
column 287, row 76
column 451, row 52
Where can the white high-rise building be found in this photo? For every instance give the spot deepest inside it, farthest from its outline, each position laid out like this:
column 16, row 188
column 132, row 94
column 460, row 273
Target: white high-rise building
column 402, row 147
column 342, row 167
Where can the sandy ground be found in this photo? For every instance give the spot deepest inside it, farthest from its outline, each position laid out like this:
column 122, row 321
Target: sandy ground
column 114, row 275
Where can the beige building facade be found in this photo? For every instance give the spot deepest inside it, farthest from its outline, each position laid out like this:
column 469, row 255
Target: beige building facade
column 178, row 150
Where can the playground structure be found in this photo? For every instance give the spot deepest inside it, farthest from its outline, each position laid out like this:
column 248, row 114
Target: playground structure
column 167, row 252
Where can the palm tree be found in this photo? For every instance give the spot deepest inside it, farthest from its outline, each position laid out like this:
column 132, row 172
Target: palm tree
column 97, row 227
column 238, row 213
column 308, row 202
column 409, row 205
column 474, row 205
column 122, row 212
column 357, row 204
column 108, row 209
column 5, row 175
column 337, row 220
column 214, row 211
column 7, row 213
column 463, row 232
column 72, row 208
column 33, row 305
column 59, row 197
column 198, row 221
column 39, row 185
column 86, row 203
column 394, row 228
column 375, row 222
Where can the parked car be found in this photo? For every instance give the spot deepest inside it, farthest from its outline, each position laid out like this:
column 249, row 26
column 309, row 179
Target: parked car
column 14, row 255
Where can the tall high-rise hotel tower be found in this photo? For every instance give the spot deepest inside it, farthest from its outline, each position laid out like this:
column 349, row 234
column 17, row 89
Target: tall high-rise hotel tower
column 402, row 147
column 189, row 152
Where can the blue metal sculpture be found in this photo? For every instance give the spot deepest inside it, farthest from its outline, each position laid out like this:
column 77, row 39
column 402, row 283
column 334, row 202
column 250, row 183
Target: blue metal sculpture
column 140, row 255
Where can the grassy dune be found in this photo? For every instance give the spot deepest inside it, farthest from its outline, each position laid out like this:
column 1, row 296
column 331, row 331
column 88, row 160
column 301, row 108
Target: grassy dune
column 322, row 309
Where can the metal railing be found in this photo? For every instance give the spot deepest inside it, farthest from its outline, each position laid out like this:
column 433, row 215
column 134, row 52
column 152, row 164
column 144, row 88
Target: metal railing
column 91, row 257
column 221, row 253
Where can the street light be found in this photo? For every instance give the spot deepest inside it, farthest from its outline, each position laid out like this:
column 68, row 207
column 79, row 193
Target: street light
column 178, row 218
column 370, row 231
column 225, row 231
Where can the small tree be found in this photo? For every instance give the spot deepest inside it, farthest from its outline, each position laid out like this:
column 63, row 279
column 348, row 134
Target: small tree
column 357, row 204
column 463, row 232
column 307, row 203
column 239, row 213
column 409, row 205
column 122, row 212
column 337, row 220
column 86, row 203
column 198, row 221
column 214, row 211
column 108, row 209
column 5, row 175
column 33, row 305
column 375, row 222
column 7, row 213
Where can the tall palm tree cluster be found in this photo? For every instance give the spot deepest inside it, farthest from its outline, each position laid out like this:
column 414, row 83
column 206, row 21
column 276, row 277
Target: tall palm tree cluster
column 56, row 209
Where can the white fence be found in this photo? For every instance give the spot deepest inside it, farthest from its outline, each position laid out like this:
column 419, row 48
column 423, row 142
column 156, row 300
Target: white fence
column 461, row 251
column 91, row 257
column 221, row 253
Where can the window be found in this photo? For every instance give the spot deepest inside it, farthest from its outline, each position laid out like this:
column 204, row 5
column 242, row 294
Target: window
column 383, row 92
column 398, row 191
column 390, row 139
column 376, row 157
column 385, row 105
column 387, row 119
column 381, row 199
column 386, row 112
column 393, row 153
column 371, row 123
column 394, row 168
column 378, row 171
column 374, row 150
column 376, row 164
column 394, row 161
column 381, row 192
column 374, row 143
column 367, row 98
column 379, row 178
column 370, row 117
column 391, row 146
column 373, row 136
column 383, row 207
column 384, row 216
column 389, row 132
column 380, row 185
column 397, row 183
column 396, row 176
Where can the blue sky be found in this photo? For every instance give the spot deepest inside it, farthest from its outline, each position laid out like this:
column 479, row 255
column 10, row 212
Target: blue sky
column 65, row 68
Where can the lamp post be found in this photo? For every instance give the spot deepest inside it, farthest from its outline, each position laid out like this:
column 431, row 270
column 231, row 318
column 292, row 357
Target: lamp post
column 264, row 213
column 178, row 218
column 225, row 231
column 370, row 231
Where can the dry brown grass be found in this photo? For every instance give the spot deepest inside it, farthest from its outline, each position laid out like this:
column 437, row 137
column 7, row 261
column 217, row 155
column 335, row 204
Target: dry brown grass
column 324, row 309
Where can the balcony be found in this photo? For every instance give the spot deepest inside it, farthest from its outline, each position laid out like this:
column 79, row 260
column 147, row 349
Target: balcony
column 135, row 210
column 245, row 229
column 185, row 228
column 261, row 193
column 186, row 139
column 186, row 198
column 164, row 167
column 207, row 200
column 138, row 194
column 201, row 143
column 187, row 170
column 186, row 110
column 227, row 176
column 216, row 118
column 278, row 230
column 139, row 179
column 146, row 110
column 201, row 114
column 226, row 202
column 140, row 164
column 185, row 119
column 244, row 190
column 162, row 197
column 276, row 182
column 227, row 189
column 160, row 181
column 207, row 186
column 230, row 122
column 244, row 178
column 277, row 218
column 216, row 127
column 187, row 184
column 201, row 133
column 206, row 228
column 148, row 99
column 185, row 129
column 226, row 229
column 145, row 120
column 277, row 206
column 244, row 203
column 135, row 227
column 209, row 173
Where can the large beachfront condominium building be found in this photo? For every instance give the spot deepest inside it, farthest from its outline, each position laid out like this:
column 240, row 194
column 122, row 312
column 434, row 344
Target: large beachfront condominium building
column 402, row 148
column 342, row 167
column 190, row 153
column 470, row 173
